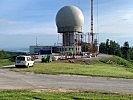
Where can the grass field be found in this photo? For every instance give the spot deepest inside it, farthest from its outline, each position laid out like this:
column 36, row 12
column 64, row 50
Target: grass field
column 97, row 69
column 4, row 62
column 29, row 95
column 110, row 67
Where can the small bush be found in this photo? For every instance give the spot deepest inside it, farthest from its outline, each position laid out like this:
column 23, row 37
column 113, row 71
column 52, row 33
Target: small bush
column 12, row 58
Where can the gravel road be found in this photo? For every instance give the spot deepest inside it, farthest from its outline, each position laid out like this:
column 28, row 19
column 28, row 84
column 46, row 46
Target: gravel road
column 22, row 80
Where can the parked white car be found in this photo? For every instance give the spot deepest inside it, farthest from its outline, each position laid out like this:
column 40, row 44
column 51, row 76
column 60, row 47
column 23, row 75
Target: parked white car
column 24, row 61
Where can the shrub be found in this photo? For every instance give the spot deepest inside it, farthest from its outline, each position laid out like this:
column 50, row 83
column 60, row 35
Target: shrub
column 12, row 58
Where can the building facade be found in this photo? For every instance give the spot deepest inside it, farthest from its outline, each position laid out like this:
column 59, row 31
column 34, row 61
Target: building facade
column 52, row 49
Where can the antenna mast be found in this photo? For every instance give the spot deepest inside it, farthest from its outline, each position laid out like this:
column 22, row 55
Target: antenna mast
column 36, row 41
column 91, row 33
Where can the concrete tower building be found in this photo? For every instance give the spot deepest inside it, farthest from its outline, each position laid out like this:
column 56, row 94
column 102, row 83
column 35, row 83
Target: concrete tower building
column 69, row 21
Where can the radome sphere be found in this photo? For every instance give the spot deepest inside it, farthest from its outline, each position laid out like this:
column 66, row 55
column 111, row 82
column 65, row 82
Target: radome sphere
column 69, row 19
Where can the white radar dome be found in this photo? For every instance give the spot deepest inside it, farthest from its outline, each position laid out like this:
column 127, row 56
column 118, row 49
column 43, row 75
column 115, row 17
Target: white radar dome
column 69, row 19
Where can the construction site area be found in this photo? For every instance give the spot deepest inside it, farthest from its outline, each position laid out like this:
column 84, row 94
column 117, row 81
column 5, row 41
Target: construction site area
column 75, row 44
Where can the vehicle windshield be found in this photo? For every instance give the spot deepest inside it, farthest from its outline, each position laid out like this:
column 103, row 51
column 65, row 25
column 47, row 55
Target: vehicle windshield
column 21, row 58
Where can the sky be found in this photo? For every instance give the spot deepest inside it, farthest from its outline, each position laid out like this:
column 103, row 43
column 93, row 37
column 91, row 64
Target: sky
column 22, row 21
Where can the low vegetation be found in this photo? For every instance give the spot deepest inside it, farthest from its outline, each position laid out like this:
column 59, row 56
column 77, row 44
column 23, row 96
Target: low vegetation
column 7, row 54
column 115, row 60
column 4, row 62
column 29, row 95
column 8, row 58
column 111, row 67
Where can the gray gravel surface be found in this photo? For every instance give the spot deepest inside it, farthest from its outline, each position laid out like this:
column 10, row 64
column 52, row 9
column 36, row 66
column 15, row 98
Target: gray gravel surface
column 23, row 80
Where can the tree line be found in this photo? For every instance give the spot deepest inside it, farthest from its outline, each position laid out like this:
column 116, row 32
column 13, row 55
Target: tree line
column 113, row 48
column 10, row 55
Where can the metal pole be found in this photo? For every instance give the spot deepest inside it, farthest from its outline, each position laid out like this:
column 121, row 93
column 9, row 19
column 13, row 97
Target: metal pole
column 91, row 33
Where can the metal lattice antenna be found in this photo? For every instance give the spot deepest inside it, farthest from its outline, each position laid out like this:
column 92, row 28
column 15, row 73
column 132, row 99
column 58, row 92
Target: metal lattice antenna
column 91, row 33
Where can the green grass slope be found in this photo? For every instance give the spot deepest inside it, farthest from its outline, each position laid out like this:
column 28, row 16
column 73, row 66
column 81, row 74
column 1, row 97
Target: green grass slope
column 115, row 60
column 112, row 67
column 5, row 62
column 29, row 95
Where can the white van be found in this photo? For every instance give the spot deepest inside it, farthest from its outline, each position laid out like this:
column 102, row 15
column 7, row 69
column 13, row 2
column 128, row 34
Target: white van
column 24, row 61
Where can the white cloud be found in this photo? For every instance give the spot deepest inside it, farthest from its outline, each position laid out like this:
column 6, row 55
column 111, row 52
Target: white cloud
column 119, row 21
column 128, row 17
column 7, row 22
column 23, row 27
column 36, row 30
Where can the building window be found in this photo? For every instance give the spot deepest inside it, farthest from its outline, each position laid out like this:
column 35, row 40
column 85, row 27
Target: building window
column 28, row 59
